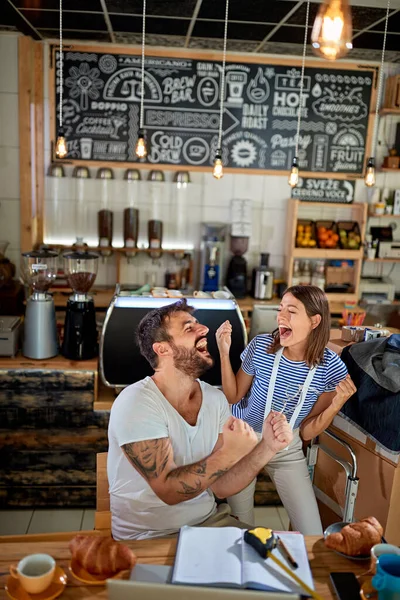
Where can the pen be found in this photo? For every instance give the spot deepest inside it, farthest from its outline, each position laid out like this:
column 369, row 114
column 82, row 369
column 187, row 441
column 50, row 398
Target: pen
column 286, row 553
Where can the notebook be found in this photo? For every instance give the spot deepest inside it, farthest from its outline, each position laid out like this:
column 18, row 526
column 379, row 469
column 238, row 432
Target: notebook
column 219, row 557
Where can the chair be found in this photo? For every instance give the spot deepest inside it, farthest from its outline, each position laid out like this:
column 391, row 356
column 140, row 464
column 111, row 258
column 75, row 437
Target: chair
column 102, row 518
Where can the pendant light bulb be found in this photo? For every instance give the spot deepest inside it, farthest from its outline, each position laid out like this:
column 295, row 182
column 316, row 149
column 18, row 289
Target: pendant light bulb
column 61, row 144
column 218, row 171
column 370, row 175
column 141, row 150
column 294, row 174
column 332, row 31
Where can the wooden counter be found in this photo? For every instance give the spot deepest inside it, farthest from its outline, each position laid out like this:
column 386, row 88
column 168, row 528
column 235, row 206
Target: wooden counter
column 50, row 431
column 160, row 552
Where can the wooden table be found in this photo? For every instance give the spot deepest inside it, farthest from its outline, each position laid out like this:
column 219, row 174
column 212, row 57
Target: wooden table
column 159, row 551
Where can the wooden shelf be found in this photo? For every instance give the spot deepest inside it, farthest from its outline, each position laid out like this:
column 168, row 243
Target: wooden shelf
column 316, row 253
column 385, row 216
column 355, row 205
column 389, row 111
column 100, row 249
column 387, row 170
column 382, row 260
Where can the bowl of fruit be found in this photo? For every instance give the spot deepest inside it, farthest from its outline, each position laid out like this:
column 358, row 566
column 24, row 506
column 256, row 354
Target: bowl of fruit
column 305, row 234
column 349, row 235
column 327, row 235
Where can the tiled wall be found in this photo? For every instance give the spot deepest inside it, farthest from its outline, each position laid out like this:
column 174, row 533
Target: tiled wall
column 208, row 200
column 9, row 146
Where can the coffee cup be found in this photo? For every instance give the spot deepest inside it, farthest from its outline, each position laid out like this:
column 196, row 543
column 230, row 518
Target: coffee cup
column 387, row 578
column 221, row 294
column 34, row 572
column 379, row 550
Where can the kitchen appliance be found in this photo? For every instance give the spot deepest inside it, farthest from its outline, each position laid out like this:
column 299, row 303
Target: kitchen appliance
column 212, row 250
column 9, row 335
column 377, row 289
column 120, row 360
column 236, row 279
column 263, row 280
column 80, row 331
column 39, row 270
column 389, row 249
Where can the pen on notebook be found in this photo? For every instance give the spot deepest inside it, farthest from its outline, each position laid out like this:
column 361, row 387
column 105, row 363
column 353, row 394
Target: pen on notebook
column 286, row 553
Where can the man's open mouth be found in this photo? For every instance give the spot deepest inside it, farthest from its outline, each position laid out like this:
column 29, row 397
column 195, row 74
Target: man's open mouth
column 284, row 332
column 201, row 346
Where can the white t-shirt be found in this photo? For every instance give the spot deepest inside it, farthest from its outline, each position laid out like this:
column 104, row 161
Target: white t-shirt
column 141, row 412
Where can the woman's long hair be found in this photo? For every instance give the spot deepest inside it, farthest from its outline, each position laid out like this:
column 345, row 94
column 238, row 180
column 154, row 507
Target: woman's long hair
column 316, row 303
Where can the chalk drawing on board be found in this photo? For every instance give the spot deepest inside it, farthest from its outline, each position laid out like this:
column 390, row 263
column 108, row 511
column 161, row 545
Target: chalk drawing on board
column 84, row 83
column 196, row 151
column 107, row 63
column 235, row 81
column 320, row 153
column 244, row 153
column 207, row 91
column 258, row 89
column 125, row 84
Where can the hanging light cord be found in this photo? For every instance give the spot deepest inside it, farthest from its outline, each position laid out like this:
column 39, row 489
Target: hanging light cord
column 221, row 108
column 61, row 67
column 303, row 61
column 380, row 83
column 143, row 48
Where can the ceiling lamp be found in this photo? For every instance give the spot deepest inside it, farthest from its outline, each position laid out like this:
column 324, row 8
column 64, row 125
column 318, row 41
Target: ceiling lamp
column 294, row 172
column 141, row 150
column 332, row 31
column 61, row 144
column 218, row 170
column 370, row 174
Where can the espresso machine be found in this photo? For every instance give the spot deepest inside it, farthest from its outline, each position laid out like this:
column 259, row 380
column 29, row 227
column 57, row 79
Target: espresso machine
column 80, row 331
column 212, row 249
column 39, row 269
column 236, row 278
column 262, row 287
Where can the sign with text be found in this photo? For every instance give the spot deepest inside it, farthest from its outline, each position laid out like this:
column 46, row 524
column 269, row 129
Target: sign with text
column 101, row 106
column 324, row 190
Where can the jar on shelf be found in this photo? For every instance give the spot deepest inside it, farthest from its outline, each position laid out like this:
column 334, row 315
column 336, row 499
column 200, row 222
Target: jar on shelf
column 296, row 275
column 305, row 277
column 318, row 277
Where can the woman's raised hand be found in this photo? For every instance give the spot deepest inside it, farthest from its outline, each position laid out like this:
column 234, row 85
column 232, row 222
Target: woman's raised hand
column 224, row 338
column 344, row 390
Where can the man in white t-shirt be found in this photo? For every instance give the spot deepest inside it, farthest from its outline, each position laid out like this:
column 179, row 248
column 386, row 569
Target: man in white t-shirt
column 172, row 441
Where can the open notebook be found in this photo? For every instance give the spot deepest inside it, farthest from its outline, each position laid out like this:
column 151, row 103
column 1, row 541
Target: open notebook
column 219, row 557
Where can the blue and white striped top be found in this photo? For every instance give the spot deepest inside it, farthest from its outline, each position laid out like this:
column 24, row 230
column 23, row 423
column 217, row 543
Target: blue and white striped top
column 291, row 376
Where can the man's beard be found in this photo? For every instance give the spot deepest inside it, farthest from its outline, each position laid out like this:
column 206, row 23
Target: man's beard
column 190, row 361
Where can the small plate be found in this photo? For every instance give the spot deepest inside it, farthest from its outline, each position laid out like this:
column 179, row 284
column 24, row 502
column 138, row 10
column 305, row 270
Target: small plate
column 337, row 528
column 82, row 575
column 15, row 591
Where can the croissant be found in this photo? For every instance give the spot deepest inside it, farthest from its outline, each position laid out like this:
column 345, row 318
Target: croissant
column 101, row 555
column 356, row 538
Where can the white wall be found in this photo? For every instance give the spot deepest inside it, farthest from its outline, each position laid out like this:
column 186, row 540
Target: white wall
column 9, row 146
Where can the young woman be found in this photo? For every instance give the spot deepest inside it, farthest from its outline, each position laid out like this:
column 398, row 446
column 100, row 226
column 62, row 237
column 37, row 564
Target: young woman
column 292, row 372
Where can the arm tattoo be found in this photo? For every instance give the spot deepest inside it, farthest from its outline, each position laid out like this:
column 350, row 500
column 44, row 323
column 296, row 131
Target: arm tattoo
column 150, row 457
column 218, row 473
column 190, row 490
column 198, row 468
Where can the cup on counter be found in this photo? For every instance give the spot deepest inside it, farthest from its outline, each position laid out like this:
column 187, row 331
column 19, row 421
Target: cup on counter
column 221, row 294
column 379, row 550
column 35, row 572
column 387, row 578
column 200, row 294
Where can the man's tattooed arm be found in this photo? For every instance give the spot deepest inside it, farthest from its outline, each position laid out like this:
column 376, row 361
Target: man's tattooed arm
column 154, row 460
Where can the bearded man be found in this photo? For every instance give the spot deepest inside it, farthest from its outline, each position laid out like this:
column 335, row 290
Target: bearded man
column 173, row 445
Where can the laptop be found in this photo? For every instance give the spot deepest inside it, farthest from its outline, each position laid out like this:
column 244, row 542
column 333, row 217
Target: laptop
column 150, row 582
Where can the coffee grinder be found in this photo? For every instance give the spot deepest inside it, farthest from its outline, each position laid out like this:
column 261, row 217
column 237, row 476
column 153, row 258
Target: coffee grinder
column 39, row 269
column 80, row 331
column 236, row 278
column 212, row 250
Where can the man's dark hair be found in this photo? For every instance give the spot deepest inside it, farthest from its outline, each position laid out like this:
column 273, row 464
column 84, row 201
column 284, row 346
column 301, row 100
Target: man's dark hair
column 153, row 328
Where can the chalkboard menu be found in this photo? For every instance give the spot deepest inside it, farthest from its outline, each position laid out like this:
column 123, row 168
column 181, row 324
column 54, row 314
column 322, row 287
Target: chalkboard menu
column 181, row 115
column 311, row 189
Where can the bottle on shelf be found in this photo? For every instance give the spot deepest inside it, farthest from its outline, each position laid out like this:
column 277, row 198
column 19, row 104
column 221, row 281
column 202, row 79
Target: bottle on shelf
column 305, row 277
column 318, row 277
column 296, row 275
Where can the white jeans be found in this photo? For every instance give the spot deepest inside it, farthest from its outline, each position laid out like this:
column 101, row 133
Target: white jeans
column 288, row 470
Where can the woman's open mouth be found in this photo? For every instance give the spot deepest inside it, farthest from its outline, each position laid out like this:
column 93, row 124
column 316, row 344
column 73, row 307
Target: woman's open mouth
column 284, row 332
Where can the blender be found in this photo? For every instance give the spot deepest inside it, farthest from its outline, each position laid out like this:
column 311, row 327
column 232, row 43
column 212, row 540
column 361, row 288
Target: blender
column 40, row 328
column 80, row 331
